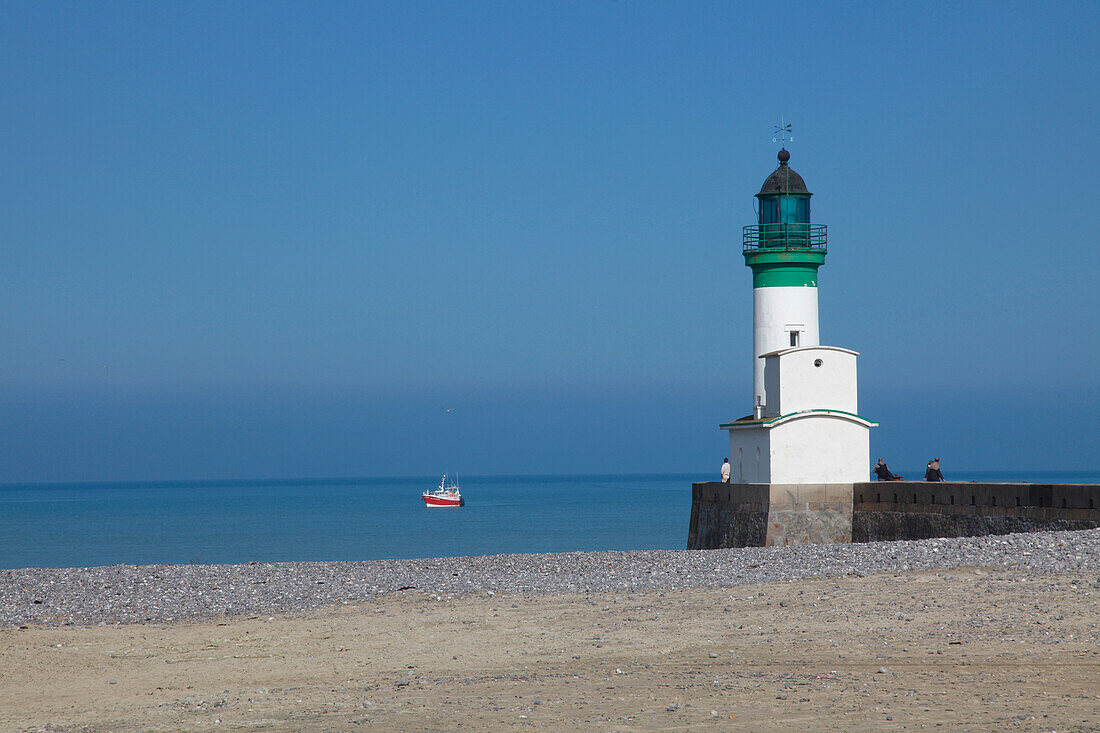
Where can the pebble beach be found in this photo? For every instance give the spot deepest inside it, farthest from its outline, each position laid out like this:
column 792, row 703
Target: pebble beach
column 977, row 634
column 126, row 594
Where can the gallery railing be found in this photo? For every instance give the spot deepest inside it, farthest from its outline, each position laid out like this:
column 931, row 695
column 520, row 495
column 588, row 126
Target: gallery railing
column 784, row 236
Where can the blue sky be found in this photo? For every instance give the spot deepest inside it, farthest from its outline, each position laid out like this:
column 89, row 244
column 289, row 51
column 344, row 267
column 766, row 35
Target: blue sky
column 257, row 239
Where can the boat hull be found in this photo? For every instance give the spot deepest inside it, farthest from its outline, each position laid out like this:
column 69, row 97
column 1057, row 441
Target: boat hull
column 440, row 501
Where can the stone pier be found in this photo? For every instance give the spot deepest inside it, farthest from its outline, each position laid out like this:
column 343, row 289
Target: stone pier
column 748, row 515
column 757, row 515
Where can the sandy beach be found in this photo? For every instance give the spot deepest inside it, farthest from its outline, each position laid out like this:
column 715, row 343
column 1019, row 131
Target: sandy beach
column 959, row 649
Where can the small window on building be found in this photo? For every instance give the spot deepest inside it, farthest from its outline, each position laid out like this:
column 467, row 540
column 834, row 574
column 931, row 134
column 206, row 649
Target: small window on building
column 794, row 338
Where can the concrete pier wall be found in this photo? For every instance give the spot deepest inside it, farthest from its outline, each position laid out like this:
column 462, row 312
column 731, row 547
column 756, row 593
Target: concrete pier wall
column 748, row 515
column 909, row 510
column 728, row 515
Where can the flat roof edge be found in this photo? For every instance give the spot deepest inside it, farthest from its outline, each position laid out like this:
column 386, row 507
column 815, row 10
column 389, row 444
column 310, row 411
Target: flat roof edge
column 791, row 350
column 772, row 422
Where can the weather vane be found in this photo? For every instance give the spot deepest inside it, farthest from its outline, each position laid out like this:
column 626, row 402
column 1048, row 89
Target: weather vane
column 783, row 132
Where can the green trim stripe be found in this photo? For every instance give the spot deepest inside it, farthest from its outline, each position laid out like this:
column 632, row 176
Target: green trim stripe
column 750, row 421
column 785, row 277
column 785, row 268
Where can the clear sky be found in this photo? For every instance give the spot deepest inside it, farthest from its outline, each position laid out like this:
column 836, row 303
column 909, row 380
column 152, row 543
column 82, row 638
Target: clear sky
column 258, row 239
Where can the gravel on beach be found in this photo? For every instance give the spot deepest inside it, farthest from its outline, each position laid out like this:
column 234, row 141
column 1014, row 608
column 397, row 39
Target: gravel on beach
column 122, row 594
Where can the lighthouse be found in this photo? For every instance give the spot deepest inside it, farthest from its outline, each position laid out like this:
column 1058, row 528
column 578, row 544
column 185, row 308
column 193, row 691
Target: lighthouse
column 784, row 250
column 805, row 426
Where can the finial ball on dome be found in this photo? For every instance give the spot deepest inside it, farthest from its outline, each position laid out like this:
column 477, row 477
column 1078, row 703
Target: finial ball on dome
column 784, row 156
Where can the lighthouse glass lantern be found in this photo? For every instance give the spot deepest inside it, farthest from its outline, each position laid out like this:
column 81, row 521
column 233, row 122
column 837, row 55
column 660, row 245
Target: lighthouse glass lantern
column 784, row 205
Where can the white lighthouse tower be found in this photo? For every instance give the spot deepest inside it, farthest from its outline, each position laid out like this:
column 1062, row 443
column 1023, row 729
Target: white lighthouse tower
column 805, row 427
column 784, row 252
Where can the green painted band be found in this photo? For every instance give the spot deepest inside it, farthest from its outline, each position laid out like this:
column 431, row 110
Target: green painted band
column 784, row 277
column 784, row 269
column 811, row 257
column 749, row 421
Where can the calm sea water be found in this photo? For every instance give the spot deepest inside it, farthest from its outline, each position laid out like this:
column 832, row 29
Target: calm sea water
column 72, row 525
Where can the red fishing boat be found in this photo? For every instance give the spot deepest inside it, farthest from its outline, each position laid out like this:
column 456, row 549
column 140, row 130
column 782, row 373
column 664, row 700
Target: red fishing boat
column 444, row 495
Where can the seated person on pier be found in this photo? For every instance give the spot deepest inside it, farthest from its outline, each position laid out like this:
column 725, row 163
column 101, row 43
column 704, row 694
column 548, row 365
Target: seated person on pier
column 883, row 472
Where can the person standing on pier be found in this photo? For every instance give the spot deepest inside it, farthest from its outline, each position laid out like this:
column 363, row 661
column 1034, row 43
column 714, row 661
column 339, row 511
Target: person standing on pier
column 726, row 471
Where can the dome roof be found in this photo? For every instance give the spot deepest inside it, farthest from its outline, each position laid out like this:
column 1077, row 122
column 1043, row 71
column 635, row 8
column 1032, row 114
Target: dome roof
column 783, row 179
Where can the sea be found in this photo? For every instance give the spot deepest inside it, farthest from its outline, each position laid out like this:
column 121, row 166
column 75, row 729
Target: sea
column 272, row 520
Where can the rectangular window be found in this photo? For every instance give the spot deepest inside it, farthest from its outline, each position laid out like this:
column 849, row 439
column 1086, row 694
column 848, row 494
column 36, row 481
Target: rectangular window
column 794, row 338
column 769, row 211
column 788, row 209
